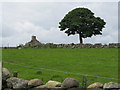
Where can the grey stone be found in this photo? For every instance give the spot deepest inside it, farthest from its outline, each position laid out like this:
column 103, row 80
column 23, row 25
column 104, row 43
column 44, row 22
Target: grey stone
column 111, row 85
column 5, row 73
column 57, row 88
column 96, row 85
column 14, row 82
column 5, row 76
column 35, row 82
column 41, row 86
column 53, row 84
column 70, row 83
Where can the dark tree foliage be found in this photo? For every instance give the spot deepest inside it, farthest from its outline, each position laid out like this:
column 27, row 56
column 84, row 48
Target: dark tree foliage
column 83, row 22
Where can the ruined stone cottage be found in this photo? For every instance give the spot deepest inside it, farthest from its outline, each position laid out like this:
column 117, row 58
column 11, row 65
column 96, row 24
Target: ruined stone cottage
column 33, row 42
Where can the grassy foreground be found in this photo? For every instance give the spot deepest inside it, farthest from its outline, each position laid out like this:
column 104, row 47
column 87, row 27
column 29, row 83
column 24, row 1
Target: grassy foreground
column 96, row 62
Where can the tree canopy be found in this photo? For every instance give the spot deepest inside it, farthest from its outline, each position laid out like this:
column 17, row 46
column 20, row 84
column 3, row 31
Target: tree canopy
column 83, row 22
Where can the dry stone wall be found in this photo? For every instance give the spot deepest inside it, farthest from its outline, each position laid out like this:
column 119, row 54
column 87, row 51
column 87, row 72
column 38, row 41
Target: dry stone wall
column 15, row 83
column 51, row 45
column 97, row 45
column 34, row 43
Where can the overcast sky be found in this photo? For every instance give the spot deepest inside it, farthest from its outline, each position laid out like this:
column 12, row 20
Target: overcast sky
column 22, row 20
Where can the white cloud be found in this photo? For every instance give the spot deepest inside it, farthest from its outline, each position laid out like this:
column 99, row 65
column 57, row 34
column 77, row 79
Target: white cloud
column 25, row 30
column 58, row 1
column 22, row 20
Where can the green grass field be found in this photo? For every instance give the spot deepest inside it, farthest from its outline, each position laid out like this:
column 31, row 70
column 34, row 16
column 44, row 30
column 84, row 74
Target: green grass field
column 96, row 62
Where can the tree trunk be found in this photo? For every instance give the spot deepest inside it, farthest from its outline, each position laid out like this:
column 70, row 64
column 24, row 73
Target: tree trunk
column 80, row 38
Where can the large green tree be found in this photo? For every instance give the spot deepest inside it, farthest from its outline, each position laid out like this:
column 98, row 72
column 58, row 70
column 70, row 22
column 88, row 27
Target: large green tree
column 83, row 22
